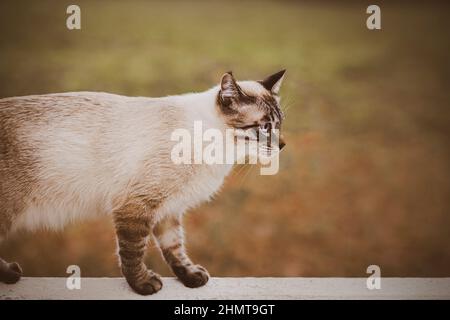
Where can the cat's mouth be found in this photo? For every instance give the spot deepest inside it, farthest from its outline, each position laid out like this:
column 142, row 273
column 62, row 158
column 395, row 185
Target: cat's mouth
column 258, row 147
column 267, row 142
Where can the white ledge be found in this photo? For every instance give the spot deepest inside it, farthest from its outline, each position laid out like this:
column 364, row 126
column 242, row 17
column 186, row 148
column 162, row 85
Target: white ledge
column 234, row 288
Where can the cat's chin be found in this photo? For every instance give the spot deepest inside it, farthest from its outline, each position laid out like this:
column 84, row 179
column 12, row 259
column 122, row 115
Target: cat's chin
column 268, row 153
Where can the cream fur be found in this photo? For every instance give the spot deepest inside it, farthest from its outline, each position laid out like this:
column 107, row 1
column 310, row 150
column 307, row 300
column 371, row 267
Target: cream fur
column 91, row 162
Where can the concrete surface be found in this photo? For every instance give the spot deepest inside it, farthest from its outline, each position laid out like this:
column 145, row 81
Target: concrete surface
column 234, row 288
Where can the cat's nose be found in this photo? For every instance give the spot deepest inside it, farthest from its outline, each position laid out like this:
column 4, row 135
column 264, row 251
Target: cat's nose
column 281, row 143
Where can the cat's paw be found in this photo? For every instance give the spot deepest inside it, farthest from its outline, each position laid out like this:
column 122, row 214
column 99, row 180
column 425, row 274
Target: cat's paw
column 192, row 276
column 149, row 284
column 10, row 273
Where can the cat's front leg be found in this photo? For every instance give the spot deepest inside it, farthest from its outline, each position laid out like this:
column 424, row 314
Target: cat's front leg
column 169, row 234
column 133, row 226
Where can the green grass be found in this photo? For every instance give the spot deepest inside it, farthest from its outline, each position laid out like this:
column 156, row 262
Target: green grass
column 364, row 176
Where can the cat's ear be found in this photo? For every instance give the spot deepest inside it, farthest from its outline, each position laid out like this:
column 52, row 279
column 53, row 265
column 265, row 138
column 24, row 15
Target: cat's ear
column 229, row 89
column 273, row 82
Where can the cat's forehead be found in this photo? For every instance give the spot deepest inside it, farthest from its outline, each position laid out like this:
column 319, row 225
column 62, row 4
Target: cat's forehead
column 253, row 88
column 257, row 95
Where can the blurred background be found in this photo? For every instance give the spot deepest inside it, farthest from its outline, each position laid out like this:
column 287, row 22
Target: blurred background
column 364, row 178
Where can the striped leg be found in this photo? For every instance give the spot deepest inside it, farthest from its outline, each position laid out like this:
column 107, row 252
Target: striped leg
column 133, row 229
column 169, row 234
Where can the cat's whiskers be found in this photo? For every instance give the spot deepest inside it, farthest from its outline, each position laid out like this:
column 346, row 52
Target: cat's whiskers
column 238, row 171
column 250, row 167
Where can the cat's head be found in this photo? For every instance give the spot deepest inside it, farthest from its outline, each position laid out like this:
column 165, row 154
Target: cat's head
column 253, row 107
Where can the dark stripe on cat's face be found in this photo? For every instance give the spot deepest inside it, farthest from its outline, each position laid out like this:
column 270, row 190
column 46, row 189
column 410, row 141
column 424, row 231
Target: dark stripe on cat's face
column 236, row 110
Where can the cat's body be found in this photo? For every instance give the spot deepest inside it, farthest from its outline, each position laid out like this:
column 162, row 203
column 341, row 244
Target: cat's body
column 73, row 155
column 89, row 152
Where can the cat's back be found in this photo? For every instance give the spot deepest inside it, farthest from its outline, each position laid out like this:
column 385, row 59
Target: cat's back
column 43, row 127
column 52, row 117
column 35, row 108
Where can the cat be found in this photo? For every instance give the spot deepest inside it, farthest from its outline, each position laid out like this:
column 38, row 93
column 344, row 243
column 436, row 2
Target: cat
column 72, row 155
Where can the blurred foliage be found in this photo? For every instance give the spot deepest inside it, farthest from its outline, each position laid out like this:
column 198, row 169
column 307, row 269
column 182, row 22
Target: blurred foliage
column 364, row 178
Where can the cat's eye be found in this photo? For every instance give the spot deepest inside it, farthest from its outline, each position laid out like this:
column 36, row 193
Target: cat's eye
column 265, row 128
